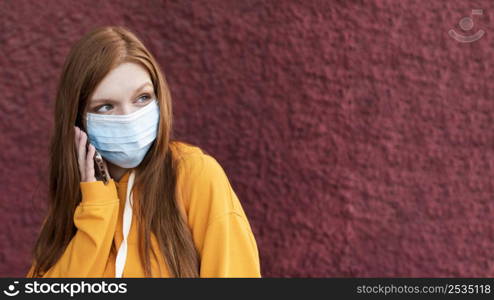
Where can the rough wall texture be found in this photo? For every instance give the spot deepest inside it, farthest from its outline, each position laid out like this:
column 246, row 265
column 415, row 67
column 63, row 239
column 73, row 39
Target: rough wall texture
column 357, row 134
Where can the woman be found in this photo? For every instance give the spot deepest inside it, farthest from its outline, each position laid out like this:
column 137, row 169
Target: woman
column 167, row 210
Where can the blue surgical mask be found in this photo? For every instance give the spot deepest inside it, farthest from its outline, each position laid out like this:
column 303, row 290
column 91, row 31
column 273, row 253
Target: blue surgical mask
column 124, row 140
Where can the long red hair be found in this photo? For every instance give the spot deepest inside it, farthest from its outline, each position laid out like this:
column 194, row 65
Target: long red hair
column 91, row 58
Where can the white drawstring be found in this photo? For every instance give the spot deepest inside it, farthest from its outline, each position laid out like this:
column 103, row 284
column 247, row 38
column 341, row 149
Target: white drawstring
column 127, row 221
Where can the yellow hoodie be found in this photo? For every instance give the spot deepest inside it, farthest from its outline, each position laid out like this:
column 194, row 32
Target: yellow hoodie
column 220, row 229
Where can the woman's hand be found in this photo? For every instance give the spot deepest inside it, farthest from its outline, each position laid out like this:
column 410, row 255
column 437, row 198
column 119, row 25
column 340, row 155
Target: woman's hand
column 85, row 158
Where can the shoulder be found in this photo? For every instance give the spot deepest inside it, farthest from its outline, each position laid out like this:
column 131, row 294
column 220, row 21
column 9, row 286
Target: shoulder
column 181, row 149
column 192, row 161
column 188, row 155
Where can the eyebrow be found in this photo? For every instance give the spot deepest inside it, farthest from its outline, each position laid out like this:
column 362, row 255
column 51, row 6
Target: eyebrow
column 138, row 90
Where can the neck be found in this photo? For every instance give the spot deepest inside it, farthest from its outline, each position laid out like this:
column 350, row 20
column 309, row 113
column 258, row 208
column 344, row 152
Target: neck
column 115, row 171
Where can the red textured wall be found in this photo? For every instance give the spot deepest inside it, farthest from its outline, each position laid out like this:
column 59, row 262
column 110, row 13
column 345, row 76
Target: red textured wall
column 358, row 134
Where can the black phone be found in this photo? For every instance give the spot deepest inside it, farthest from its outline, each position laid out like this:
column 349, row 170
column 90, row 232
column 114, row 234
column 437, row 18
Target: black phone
column 101, row 172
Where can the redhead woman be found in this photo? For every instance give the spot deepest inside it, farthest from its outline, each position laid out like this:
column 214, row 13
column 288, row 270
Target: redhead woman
column 166, row 207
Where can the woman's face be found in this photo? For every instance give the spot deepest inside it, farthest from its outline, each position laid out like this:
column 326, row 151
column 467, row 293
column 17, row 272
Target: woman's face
column 123, row 90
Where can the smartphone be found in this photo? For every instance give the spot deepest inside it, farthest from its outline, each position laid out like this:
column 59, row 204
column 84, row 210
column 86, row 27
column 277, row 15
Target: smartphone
column 101, row 172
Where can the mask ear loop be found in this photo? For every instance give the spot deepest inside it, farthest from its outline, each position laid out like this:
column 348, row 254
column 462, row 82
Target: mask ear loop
column 127, row 221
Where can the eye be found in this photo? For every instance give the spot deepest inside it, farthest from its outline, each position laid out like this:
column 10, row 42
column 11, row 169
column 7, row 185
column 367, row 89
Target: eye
column 143, row 98
column 99, row 108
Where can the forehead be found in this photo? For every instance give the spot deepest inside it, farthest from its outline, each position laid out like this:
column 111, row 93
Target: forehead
column 121, row 82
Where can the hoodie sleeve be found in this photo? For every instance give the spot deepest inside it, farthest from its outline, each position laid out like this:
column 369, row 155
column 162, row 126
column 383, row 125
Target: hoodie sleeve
column 229, row 248
column 95, row 219
column 219, row 225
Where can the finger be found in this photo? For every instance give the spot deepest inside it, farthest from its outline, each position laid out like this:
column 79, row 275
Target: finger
column 77, row 132
column 82, row 154
column 77, row 140
column 90, row 163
